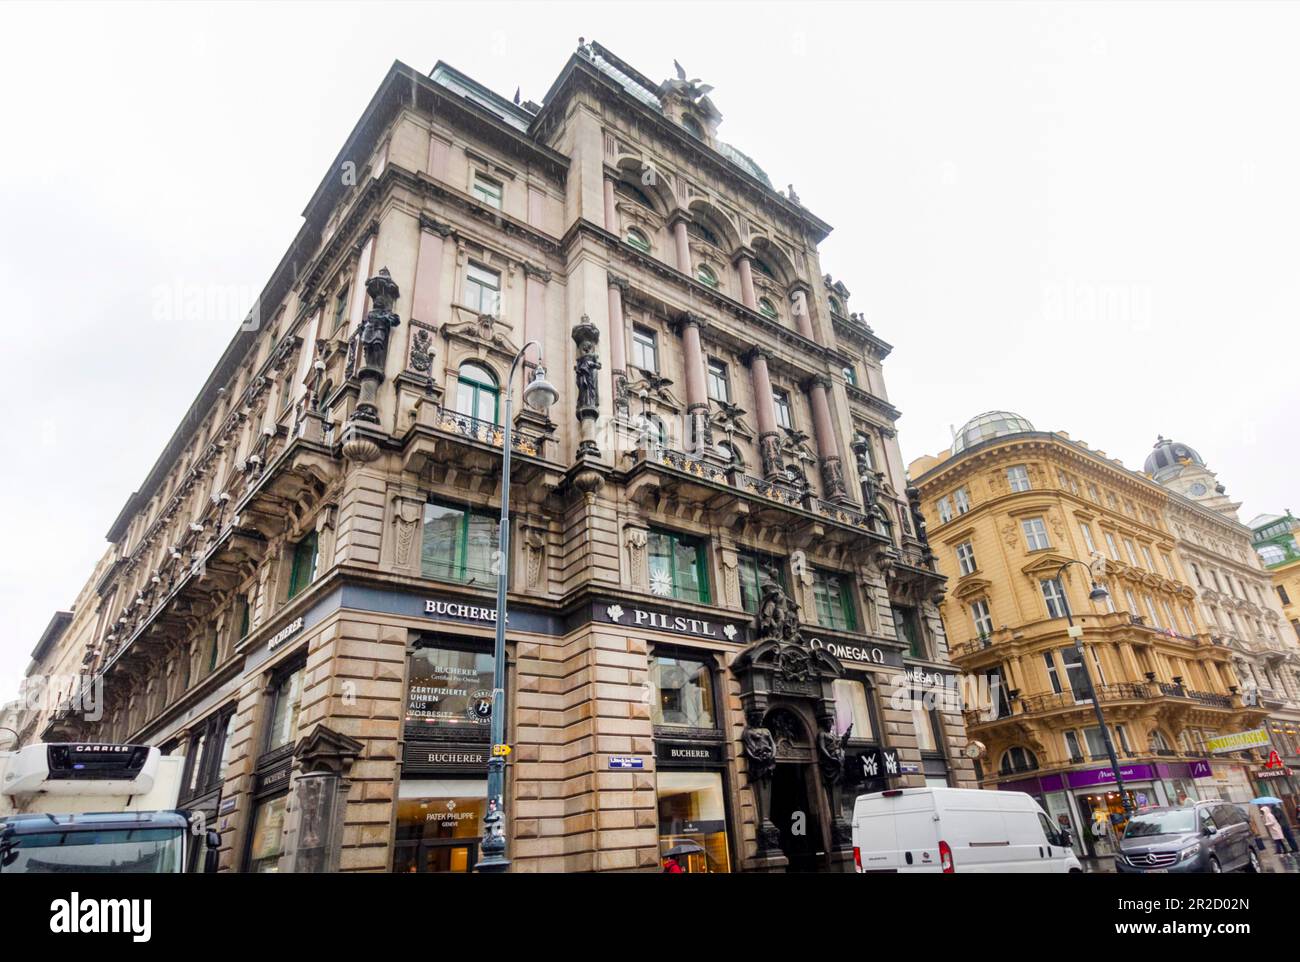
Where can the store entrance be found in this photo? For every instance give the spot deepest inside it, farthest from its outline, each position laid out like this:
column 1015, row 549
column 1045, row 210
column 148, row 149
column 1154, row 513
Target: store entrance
column 795, row 816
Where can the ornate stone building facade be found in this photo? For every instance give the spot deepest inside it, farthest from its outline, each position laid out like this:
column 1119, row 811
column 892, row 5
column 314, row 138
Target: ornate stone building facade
column 719, row 585
column 1238, row 601
column 1010, row 511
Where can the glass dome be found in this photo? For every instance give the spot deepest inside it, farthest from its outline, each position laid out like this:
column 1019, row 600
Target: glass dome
column 989, row 425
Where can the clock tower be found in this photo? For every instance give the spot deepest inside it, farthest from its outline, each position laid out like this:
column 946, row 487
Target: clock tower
column 1178, row 467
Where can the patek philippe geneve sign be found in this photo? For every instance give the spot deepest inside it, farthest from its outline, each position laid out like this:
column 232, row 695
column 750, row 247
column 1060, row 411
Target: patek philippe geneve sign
column 660, row 619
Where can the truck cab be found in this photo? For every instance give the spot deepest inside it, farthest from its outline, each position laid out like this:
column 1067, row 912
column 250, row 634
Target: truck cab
column 94, row 807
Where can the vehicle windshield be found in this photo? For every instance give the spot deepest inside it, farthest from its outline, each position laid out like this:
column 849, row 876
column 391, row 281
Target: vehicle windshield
column 1178, row 822
column 110, row 850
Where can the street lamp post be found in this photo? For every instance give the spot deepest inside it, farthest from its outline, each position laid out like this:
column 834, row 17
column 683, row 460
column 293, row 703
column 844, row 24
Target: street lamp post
column 540, row 394
column 1098, row 593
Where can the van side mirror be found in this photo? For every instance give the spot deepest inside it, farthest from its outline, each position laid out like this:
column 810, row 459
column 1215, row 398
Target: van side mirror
column 213, row 853
column 1064, row 836
column 1210, row 830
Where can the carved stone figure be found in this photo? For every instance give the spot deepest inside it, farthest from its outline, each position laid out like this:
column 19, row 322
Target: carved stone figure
column 830, row 751
column 586, row 336
column 778, row 615
column 832, row 478
column 379, row 321
column 760, row 750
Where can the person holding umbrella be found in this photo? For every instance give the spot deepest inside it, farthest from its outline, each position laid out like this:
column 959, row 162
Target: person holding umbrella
column 1270, row 822
column 672, row 865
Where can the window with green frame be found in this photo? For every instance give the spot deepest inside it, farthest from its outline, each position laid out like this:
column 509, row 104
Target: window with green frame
column 305, row 557
column 834, row 599
column 706, row 276
column 908, row 626
column 476, row 392
column 678, row 567
column 243, row 615
column 757, row 569
column 459, row 544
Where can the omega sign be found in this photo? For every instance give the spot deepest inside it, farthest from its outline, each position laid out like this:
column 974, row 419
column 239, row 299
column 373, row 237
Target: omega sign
column 872, row 656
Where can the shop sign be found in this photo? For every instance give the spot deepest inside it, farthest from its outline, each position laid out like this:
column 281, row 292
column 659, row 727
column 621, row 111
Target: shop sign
column 859, row 654
column 419, row 759
column 1267, row 773
column 1104, row 776
column 660, row 620
column 1256, row 738
column 1199, row 769
column 284, row 634
column 626, row 761
column 878, row 763
column 449, row 688
column 274, row 779
column 458, row 610
column 688, row 754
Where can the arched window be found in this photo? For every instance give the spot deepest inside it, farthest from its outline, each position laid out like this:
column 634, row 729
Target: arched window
column 1016, row 760
column 760, row 265
column 767, row 308
column 633, row 193
column 476, row 392
column 693, row 126
column 636, row 239
column 1157, row 741
column 836, row 306
column 706, row 276
column 697, row 228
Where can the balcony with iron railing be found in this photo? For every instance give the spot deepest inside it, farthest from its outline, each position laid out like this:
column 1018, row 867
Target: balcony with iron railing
column 701, row 478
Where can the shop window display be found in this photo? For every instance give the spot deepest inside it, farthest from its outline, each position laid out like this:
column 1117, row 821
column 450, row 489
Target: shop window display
column 692, row 821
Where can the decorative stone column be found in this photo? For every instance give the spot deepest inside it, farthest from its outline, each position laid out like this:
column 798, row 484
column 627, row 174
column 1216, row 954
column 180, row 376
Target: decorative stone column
column 699, row 434
column 678, row 222
column 769, row 438
column 587, row 336
column 617, row 345
column 611, row 211
column 320, row 795
column 827, row 450
column 801, row 307
column 373, row 355
column 744, row 266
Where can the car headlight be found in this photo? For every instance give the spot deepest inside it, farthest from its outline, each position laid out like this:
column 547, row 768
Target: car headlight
column 1190, row 852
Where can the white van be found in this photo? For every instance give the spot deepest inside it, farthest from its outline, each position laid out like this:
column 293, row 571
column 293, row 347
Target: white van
column 956, row 830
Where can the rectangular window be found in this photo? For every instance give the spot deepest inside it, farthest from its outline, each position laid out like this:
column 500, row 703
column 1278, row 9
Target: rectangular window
column 286, row 702
column 693, row 820
column 487, row 191
column 966, row 558
column 1018, row 478
column 482, row 290
column 305, row 558
column 1151, row 610
column 1053, row 678
column 243, row 614
column 341, row 308
column 1282, row 595
column 923, row 724
column 852, row 708
column 1096, row 741
column 1075, row 673
column 1146, row 556
column 757, row 569
column 1054, row 597
column 1035, row 534
column 1169, row 565
column 851, row 375
column 683, row 693
column 1094, row 493
column 645, row 350
column 945, row 509
column 834, row 598
column 1112, row 546
column 719, row 389
column 1072, row 747
column 961, row 498
column 980, row 617
column 440, row 690
column 1128, row 550
column 678, row 567
column 459, row 544
column 782, row 402
column 1086, row 531
column 267, row 840
column 908, row 626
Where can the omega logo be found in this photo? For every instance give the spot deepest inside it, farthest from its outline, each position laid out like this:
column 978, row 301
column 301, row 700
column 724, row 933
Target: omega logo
column 873, row 656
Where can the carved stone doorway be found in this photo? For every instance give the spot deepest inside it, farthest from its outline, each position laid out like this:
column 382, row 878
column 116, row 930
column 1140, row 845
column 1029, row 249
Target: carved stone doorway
column 796, row 814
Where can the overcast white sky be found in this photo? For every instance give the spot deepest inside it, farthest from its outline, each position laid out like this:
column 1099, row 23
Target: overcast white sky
column 1083, row 213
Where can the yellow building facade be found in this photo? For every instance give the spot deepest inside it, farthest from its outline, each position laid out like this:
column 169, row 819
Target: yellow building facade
column 1016, row 516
